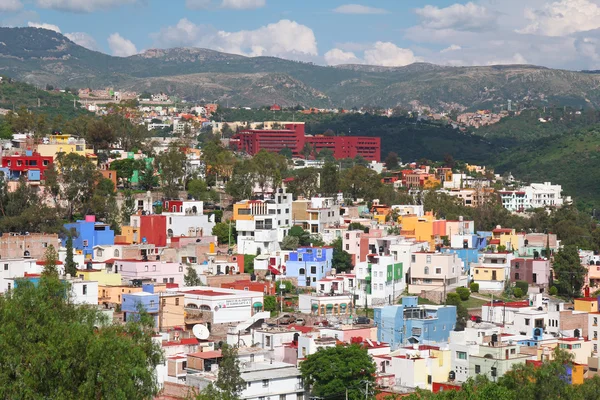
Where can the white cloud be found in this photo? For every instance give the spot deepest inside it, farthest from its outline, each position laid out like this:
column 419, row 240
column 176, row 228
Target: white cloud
column 121, row 47
column 462, row 17
column 284, row 38
column 10, row 5
column 82, row 6
column 197, row 4
column 243, row 4
column 338, row 57
column 563, row 18
column 389, row 55
column 83, row 39
column 358, row 9
column 44, row 26
column 452, row 47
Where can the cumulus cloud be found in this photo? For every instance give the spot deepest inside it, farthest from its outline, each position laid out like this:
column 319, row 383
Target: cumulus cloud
column 284, row 38
column 388, row 54
column 83, row 39
column 467, row 17
column 562, row 18
column 44, row 26
column 243, row 4
column 358, row 9
column 81, row 6
column 338, row 57
column 121, row 47
column 10, row 5
column 452, row 47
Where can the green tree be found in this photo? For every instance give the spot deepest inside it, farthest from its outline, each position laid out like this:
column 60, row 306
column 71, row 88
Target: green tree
column 50, row 262
column 128, row 207
column 462, row 314
column 331, row 371
column 70, row 265
column 290, row 243
column 229, row 379
column 148, row 180
column 241, row 186
column 270, row 303
column 78, row 177
column 52, row 348
column 305, row 183
column 570, row 274
column 474, row 286
column 286, row 152
column 464, row 293
column 198, row 189
column 360, row 182
column 342, row 260
column 222, row 231
column 191, row 277
column 518, row 292
column 125, row 168
column 392, row 161
column 171, row 166
column 301, row 234
column 330, row 179
column 268, row 169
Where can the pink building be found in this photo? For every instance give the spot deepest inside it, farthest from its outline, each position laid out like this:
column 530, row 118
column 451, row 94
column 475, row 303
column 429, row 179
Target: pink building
column 357, row 243
column 154, row 270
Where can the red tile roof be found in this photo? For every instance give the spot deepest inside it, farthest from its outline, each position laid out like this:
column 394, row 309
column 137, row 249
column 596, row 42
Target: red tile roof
column 206, row 293
column 206, row 354
column 185, row 342
column 42, row 262
column 590, row 299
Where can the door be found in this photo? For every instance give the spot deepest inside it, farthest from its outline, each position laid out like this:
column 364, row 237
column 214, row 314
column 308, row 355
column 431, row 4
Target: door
column 493, row 275
column 534, row 278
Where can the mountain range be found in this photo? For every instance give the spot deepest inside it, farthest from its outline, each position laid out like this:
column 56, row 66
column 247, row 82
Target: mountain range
column 40, row 57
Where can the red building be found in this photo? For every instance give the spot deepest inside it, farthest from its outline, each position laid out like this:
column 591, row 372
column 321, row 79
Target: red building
column 294, row 138
column 267, row 288
column 153, row 228
column 31, row 164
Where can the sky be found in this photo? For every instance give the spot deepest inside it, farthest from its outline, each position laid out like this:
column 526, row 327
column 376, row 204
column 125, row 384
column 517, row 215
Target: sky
column 557, row 34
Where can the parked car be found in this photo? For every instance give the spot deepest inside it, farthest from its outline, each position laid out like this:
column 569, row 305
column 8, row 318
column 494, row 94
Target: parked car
column 362, row 321
column 286, row 319
column 300, row 321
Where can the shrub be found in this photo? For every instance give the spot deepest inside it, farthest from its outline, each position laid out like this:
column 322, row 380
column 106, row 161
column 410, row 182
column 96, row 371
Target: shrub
column 474, row 287
column 518, row 292
column 553, row 291
column 452, row 299
column 524, row 286
column 464, row 293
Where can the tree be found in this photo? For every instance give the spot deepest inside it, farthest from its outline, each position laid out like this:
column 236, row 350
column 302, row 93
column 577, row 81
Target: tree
column 191, row 277
column 331, row 371
column 99, row 134
column 474, row 286
column 71, row 352
column 198, row 189
column 305, row 183
column 342, row 260
column 128, row 207
column 125, row 168
column 78, row 177
column 518, row 292
column 171, row 165
column 290, row 243
column 464, row 293
column 286, row 152
column 70, row 265
column 229, row 379
column 240, row 186
column 301, row 234
column 330, row 179
column 307, row 150
column 147, row 179
column 462, row 314
column 360, row 182
column 50, row 262
column 270, row 303
column 569, row 272
column 222, row 231
column 268, row 169
column 392, row 161
column 553, row 291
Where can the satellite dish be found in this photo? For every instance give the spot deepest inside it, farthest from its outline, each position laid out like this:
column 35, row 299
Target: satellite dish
column 200, row 331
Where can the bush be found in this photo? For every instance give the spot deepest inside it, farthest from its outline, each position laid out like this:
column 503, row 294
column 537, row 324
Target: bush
column 452, row 299
column 518, row 292
column 524, row 286
column 464, row 293
column 474, row 287
column 553, row 291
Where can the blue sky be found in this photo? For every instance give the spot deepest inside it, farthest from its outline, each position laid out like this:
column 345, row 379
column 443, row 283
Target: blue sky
column 560, row 33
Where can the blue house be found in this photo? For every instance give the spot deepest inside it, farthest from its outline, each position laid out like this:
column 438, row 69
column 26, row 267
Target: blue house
column 467, row 256
column 309, row 264
column 89, row 234
column 409, row 322
column 146, row 300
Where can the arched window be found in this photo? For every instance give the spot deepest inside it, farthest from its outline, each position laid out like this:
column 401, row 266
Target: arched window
column 170, row 232
column 302, row 271
column 116, row 253
column 426, row 270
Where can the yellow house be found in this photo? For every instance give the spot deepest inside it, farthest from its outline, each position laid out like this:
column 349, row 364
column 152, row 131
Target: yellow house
column 171, row 313
column 102, row 276
column 431, row 182
column 419, row 228
column 242, row 211
column 508, row 238
column 65, row 144
column 130, row 234
column 586, row 304
column 112, row 294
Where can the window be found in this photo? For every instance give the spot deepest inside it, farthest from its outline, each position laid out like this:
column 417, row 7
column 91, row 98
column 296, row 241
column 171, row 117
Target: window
column 85, row 243
column 151, row 303
column 347, row 246
column 165, row 280
column 301, row 271
column 413, row 258
column 595, row 318
column 171, row 280
column 527, row 321
column 181, row 268
column 426, row 271
column 516, row 265
column 265, row 383
column 282, row 397
column 6, row 267
column 517, row 276
column 313, row 269
column 438, row 271
column 478, row 369
column 577, row 346
column 146, row 268
column 494, row 371
column 177, row 301
column 84, row 289
column 428, row 259
column 9, row 289
column 513, row 351
column 164, row 302
column 461, row 355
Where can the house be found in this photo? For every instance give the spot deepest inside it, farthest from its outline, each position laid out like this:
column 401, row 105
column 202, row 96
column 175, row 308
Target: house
column 316, row 214
column 508, row 239
column 149, row 270
column 170, row 311
column 410, row 322
column 275, row 107
column 492, row 271
column 187, row 218
column 30, row 164
column 89, row 234
column 134, row 303
column 309, row 264
column 380, row 280
column 11, row 269
column 420, row 365
column 146, row 229
column 28, row 245
column 430, row 271
column 323, row 304
column 65, row 144
column 535, row 271
column 495, row 358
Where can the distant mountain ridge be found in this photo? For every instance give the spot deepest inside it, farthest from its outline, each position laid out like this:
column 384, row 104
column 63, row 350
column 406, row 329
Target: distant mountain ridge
column 41, row 57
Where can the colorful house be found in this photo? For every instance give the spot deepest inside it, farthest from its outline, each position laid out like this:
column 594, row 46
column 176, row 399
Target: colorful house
column 31, row 165
column 309, row 264
column 90, row 233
